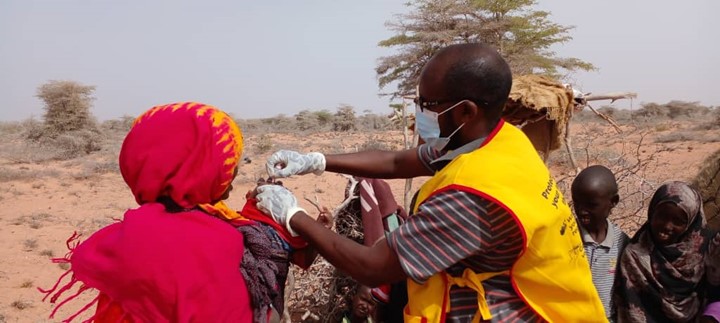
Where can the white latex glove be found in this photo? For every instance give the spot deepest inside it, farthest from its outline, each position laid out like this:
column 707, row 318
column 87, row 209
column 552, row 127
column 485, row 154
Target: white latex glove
column 285, row 163
column 279, row 203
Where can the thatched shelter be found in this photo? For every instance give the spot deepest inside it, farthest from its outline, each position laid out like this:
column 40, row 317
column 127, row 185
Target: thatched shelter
column 542, row 107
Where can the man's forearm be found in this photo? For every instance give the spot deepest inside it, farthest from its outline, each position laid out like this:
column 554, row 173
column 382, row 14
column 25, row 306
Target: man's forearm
column 378, row 164
column 370, row 266
column 374, row 164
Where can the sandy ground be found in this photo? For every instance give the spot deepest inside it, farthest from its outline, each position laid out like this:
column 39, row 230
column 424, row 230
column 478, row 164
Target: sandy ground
column 45, row 203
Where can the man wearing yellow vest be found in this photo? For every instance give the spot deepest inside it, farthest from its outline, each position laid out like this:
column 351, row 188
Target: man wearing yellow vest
column 491, row 237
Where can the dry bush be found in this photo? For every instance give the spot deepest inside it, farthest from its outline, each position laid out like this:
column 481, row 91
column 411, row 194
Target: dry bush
column 62, row 148
column 686, row 110
column 21, row 305
column 632, row 161
column 10, row 174
column 675, row 137
column 8, row 128
column 34, row 221
column 662, row 127
column 17, row 149
column 712, row 121
column 674, row 110
column 73, row 144
column 681, row 136
column 307, row 121
column 345, row 119
column 324, row 117
column 583, row 116
column 102, row 167
column 67, row 106
column 375, row 143
column 90, row 225
column 371, row 121
column 323, row 291
column 26, row 142
column 122, row 124
column 632, row 156
column 278, row 124
column 619, row 115
column 93, row 168
column 313, row 121
column 30, row 244
column 707, row 182
column 263, row 144
column 587, row 116
column 68, row 126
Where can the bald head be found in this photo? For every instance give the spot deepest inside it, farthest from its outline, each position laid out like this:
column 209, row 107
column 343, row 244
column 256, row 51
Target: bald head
column 475, row 72
column 596, row 178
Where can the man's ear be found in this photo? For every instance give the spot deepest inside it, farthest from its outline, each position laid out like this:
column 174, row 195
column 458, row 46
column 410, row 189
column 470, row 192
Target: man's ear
column 469, row 111
column 615, row 199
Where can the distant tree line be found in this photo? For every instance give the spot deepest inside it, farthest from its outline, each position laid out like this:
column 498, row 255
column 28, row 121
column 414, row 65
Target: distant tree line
column 654, row 112
column 69, row 128
column 308, row 121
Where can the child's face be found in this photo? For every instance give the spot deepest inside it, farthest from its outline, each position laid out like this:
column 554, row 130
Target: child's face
column 363, row 303
column 667, row 223
column 592, row 206
column 261, row 181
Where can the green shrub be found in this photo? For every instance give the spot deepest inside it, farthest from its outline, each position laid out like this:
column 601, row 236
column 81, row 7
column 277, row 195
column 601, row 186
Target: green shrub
column 263, row 144
column 73, row 144
column 345, row 119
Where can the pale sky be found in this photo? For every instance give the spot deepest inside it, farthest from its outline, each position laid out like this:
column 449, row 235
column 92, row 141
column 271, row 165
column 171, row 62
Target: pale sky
column 263, row 58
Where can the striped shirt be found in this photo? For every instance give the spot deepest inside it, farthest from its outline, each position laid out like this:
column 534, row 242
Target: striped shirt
column 603, row 258
column 454, row 230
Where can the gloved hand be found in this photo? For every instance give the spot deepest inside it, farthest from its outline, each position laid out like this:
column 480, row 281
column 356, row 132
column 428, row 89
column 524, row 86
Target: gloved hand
column 285, row 163
column 279, row 203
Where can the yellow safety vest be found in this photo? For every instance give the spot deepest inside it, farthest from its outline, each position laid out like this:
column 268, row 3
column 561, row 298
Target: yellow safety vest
column 552, row 274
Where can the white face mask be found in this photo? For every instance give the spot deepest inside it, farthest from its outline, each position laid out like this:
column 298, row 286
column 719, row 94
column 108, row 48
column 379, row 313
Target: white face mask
column 428, row 128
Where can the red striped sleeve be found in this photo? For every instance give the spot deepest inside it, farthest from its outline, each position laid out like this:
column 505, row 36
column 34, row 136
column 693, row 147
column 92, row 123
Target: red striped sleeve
column 454, row 230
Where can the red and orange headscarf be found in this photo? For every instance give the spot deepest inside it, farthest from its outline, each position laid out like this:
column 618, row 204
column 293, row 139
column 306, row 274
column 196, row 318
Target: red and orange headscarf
column 156, row 265
column 185, row 151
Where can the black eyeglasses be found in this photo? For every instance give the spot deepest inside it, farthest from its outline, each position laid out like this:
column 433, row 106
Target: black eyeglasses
column 424, row 104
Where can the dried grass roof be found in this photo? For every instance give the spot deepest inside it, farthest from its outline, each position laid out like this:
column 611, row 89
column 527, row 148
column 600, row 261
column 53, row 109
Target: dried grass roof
column 533, row 97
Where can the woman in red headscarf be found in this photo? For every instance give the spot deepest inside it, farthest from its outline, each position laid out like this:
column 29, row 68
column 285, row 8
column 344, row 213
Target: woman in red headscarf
column 170, row 259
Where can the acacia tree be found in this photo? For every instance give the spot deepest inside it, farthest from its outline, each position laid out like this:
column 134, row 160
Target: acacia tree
column 523, row 36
